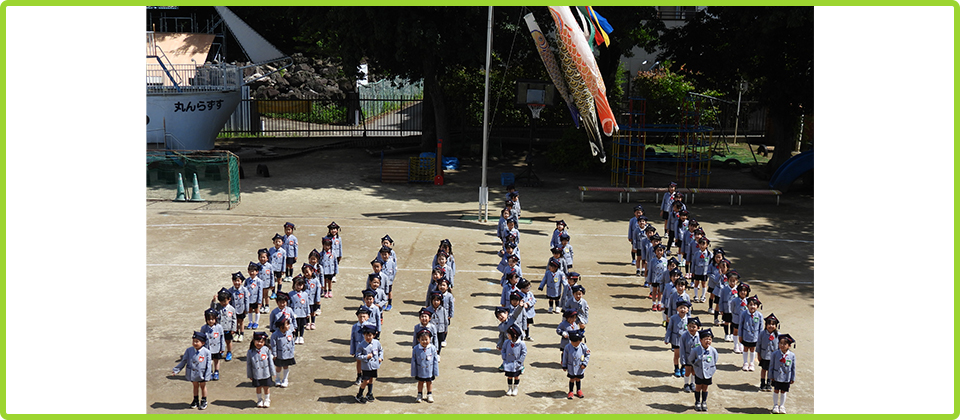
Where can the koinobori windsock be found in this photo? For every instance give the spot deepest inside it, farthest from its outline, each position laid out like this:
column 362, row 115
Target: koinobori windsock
column 550, row 62
column 583, row 98
column 571, row 39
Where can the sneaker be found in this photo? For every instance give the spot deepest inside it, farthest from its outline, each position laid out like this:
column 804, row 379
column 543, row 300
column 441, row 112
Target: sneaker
column 696, row 406
column 579, row 394
column 429, row 398
column 783, row 410
column 203, row 404
column 716, row 322
column 638, row 273
column 745, row 367
column 775, row 409
column 570, row 395
column 266, row 403
column 688, row 388
column 388, row 307
column 500, row 368
column 238, row 338
column 229, row 356
column 633, row 262
column 750, row 367
column 370, row 397
column 358, row 381
column 264, row 309
column 273, row 296
column 676, row 373
column 216, row 375
column 360, row 399
column 683, row 371
column 256, row 325
column 443, row 344
column 249, row 325
column 419, row 397
column 557, row 310
column 195, row 403
column 710, row 311
column 703, row 406
column 259, row 402
column 330, row 294
column 334, row 280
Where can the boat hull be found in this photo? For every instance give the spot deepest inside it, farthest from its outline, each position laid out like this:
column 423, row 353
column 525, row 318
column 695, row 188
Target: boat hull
column 188, row 120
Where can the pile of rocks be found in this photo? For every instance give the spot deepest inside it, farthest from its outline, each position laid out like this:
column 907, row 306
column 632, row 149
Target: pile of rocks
column 307, row 78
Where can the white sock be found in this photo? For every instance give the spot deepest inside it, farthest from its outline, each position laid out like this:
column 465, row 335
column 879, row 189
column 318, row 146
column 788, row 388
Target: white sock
column 696, row 292
column 745, row 357
column 752, row 354
column 286, row 374
column 259, row 397
column 687, row 379
column 776, row 398
column 783, row 398
column 256, row 318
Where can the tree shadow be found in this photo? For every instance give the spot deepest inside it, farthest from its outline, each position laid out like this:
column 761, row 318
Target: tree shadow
column 351, row 297
column 487, row 350
column 662, row 388
column 398, row 359
column 542, row 394
column 739, row 387
column 479, row 369
column 673, row 408
column 748, row 410
column 488, row 394
column 649, row 373
column 731, row 368
column 339, row 341
column 414, row 303
column 547, row 365
column 490, row 253
column 237, row 404
column 337, row 383
column 172, row 406
column 341, row 359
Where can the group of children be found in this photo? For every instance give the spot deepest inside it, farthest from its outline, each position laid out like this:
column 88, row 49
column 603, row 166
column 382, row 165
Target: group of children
column 695, row 358
column 269, row 356
column 516, row 311
column 711, row 273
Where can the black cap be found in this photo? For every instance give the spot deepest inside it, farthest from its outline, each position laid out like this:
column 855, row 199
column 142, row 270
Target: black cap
column 674, row 261
column 200, row 336
column 501, row 309
column 368, row 329
column 280, row 321
column 515, row 330
column 238, row 276
column 277, row 236
column 706, row 333
column 386, row 238
column 510, row 245
column 637, row 207
column 314, row 252
column 573, row 275
column 575, row 335
column 289, row 224
column 516, row 295
column 326, row 240
column 210, row 312
column 556, row 250
column 554, row 262
column 252, row 266
column 561, row 222
column 693, row 320
column 306, row 265
column 363, row 310
column 676, row 272
column 259, row 335
column 682, row 302
column 385, row 249
column 650, row 228
column 436, row 295
column 787, row 337
column 368, row 292
column 424, row 332
column 564, row 236
column 372, row 276
column 425, row 310
column 333, row 225
column 578, row 288
column 755, row 299
column 570, row 313
column 772, row 318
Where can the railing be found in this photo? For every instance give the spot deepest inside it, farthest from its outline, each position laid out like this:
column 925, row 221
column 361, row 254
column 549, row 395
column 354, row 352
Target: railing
column 327, row 117
column 193, row 78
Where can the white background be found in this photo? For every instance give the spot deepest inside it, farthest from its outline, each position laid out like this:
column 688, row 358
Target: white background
column 75, row 205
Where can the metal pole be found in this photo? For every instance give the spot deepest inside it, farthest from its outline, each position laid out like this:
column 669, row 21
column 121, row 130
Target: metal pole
column 736, row 125
column 484, row 192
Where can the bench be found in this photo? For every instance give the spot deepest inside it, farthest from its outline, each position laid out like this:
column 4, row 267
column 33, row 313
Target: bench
column 692, row 192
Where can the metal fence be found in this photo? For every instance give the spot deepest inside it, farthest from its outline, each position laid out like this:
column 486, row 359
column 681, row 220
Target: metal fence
column 395, row 116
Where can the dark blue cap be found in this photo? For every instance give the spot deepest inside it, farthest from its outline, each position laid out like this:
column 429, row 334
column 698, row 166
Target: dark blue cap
column 333, row 225
column 368, row 292
column 578, row 288
column 693, row 320
column 200, row 336
column 362, row 310
column 277, row 236
column 575, row 335
column 425, row 310
column 289, row 224
column 706, row 333
column 239, row 275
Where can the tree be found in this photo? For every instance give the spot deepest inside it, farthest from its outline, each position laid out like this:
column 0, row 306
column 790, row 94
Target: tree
column 770, row 47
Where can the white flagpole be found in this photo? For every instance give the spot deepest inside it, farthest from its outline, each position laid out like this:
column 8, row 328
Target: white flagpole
column 484, row 191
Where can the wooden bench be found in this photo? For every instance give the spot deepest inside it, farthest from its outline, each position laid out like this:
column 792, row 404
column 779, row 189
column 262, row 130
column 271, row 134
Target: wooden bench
column 692, row 192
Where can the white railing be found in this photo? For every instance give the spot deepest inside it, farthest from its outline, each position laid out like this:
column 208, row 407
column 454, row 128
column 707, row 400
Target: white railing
column 192, row 78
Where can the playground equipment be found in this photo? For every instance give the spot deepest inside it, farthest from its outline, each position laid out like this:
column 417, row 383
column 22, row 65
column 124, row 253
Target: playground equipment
column 693, row 142
column 792, row 169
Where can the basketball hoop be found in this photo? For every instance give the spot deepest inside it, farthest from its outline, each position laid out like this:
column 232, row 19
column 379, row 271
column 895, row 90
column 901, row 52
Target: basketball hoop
column 535, row 110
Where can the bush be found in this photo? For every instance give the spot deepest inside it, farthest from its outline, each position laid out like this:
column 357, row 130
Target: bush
column 572, row 153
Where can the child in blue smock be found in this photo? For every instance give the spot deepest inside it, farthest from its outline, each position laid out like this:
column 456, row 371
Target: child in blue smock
column 266, row 280
column 675, row 328
column 356, row 334
column 688, row 341
column 632, row 231
column 260, row 367
column 329, row 266
column 566, row 250
column 300, row 306
column 282, row 342
column 666, row 205
column 528, row 302
column 215, row 340
column 575, row 358
column 370, row 354
column 513, row 353
column 425, row 365
column 240, row 299
column 291, row 246
column 783, row 372
column 439, row 318
column 769, row 339
column 704, row 361
column 199, row 366
column 560, row 230
column 552, row 280
column 751, row 325
column 278, row 262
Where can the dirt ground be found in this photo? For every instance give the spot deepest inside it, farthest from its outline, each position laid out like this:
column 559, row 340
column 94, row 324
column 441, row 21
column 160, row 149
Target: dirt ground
column 191, row 253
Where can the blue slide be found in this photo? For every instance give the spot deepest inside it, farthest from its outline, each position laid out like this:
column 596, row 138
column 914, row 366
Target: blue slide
column 792, row 169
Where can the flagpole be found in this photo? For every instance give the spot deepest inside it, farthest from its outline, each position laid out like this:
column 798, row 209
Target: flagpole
column 484, row 191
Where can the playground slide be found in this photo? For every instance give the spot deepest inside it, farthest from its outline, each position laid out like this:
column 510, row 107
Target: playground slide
column 792, row 169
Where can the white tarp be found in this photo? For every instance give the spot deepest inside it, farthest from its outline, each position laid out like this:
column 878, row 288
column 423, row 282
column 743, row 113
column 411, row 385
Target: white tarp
column 257, row 48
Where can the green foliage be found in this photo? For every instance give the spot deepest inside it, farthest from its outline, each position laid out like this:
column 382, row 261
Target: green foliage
column 664, row 91
column 572, row 153
column 320, row 113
